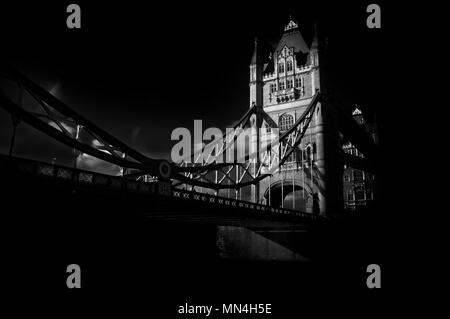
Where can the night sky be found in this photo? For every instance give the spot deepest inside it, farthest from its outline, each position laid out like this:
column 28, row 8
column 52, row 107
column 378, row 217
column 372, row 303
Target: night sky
column 139, row 71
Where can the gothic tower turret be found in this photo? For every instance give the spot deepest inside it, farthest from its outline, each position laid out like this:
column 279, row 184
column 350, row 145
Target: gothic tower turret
column 256, row 77
column 314, row 62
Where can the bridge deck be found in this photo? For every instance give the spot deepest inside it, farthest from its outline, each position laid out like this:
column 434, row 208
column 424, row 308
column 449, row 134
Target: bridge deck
column 129, row 197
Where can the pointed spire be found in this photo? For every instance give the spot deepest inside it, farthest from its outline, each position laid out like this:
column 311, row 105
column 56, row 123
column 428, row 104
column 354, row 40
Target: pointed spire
column 315, row 41
column 256, row 58
column 291, row 25
column 356, row 111
column 292, row 38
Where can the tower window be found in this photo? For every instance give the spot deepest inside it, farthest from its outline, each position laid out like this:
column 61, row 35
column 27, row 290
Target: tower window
column 358, row 176
column 346, row 178
column 360, row 194
column 291, row 158
column 273, row 87
column 281, row 67
column 350, row 195
column 285, row 122
column 289, row 84
column 309, row 152
column 289, row 65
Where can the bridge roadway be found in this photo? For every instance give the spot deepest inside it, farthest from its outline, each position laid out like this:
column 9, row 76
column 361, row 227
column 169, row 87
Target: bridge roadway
column 158, row 198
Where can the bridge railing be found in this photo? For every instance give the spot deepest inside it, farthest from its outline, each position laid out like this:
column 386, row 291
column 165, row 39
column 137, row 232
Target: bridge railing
column 26, row 168
column 235, row 203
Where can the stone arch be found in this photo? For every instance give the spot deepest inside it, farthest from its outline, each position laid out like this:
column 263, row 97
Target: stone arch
column 291, row 193
column 285, row 121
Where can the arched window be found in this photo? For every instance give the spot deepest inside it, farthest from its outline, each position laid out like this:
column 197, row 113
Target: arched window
column 285, row 122
column 289, row 66
column 308, row 152
column 281, row 67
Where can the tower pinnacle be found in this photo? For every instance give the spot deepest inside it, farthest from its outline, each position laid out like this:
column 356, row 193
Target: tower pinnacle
column 256, row 58
column 315, row 43
column 291, row 25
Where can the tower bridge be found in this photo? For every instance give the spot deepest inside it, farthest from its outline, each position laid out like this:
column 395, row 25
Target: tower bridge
column 295, row 178
column 300, row 169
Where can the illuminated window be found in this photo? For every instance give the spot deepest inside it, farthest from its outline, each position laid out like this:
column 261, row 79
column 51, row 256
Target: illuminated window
column 285, row 122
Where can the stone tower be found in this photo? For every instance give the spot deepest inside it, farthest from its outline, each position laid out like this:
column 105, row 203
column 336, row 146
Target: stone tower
column 283, row 82
column 256, row 77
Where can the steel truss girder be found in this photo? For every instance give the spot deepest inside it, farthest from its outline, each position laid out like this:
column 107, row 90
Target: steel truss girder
column 54, row 111
column 112, row 150
column 276, row 154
